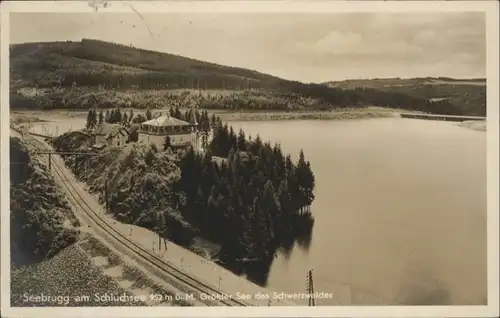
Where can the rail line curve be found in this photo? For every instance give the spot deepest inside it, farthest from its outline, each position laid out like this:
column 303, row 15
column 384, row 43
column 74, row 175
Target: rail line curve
column 187, row 279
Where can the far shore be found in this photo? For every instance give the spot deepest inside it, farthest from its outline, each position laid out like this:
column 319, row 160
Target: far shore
column 477, row 125
column 24, row 116
column 371, row 112
column 338, row 114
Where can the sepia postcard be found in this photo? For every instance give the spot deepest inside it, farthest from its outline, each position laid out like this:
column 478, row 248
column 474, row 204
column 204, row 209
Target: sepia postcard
column 296, row 158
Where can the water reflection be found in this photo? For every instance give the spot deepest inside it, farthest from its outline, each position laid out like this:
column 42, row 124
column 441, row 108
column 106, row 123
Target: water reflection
column 392, row 196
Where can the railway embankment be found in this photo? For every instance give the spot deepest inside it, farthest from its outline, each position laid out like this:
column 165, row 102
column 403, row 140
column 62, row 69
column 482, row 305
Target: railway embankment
column 177, row 263
column 49, row 267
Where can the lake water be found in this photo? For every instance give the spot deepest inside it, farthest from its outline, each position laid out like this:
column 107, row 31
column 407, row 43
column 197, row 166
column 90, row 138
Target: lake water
column 400, row 211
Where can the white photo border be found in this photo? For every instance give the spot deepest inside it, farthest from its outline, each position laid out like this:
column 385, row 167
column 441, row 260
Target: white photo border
column 490, row 8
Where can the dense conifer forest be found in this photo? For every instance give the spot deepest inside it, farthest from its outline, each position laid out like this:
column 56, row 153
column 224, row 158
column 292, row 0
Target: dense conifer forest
column 253, row 201
column 469, row 95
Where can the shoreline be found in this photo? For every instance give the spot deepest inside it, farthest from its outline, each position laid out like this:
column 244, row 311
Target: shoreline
column 21, row 116
column 476, row 125
column 26, row 115
column 341, row 114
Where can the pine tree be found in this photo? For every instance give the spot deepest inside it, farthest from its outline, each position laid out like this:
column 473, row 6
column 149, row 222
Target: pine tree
column 124, row 119
column 309, row 183
column 232, row 138
column 107, row 117
column 177, row 113
column 256, row 145
column 118, row 114
column 149, row 115
column 235, row 164
column 89, row 119
column 288, row 163
column 93, row 118
column 242, row 143
column 284, row 197
column 213, row 121
column 113, row 116
column 230, row 157
column 264, row 229
column 305, row 180
column 101, row 118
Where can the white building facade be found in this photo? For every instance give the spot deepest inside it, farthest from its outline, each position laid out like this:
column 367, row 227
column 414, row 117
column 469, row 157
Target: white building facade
column 155, row 131
column 111, row 135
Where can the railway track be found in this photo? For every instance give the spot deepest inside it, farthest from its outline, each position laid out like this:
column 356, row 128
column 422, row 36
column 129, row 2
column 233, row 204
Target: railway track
column 145, row 255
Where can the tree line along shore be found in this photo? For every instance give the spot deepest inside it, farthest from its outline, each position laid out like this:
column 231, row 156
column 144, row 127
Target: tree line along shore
column 299, row 98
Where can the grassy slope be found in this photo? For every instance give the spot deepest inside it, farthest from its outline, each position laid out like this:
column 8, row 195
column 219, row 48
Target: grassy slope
column 468, row 94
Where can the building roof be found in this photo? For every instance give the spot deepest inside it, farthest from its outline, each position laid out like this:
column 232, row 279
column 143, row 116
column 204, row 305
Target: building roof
column 110, row 130
column 165, row 120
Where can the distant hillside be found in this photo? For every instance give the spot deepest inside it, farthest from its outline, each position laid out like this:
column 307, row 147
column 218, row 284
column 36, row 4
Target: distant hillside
column 467, row 94
column 85, row 63
column 93, row 73
column 380, row 83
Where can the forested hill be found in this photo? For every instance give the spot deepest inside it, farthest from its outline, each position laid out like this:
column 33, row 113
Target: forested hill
column 93, row 62
column 93, row 73
column 469, row 95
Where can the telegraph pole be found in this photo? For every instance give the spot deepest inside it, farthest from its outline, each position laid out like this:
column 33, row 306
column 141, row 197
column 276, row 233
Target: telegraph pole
column 62, row 153
column 159, row 236
column 310, row 288
column 106, row 195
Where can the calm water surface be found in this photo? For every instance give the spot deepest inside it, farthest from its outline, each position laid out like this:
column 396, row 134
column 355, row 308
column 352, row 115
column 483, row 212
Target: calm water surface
column 400, row 210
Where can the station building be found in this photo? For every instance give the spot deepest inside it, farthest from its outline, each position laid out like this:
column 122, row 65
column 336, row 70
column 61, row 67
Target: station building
column 181, row 133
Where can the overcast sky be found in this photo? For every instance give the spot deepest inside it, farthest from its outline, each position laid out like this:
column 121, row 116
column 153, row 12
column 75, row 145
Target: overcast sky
column 306, row 47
